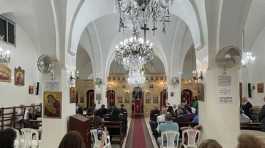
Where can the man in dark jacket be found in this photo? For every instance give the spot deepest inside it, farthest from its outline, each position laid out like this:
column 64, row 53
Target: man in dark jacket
column 262, row 116
column 247, row 107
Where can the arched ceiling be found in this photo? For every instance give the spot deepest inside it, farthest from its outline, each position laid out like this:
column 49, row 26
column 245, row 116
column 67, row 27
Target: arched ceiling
column 255, row 22
column 101, row 36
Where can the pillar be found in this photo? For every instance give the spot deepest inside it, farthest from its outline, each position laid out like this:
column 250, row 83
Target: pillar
column 100, row 95
column 174, row 94
column 220, row 120
column 54, row 129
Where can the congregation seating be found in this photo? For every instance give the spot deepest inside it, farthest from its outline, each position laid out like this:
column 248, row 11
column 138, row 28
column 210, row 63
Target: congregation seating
column 21, row 116
column 92, row 124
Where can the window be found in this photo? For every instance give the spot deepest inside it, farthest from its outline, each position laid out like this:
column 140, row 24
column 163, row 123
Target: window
column 7, row 29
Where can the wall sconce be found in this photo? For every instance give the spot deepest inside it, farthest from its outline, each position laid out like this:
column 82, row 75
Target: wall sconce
column 74, row 77
column 197, row 75
column 175, row 81
column 5, row 56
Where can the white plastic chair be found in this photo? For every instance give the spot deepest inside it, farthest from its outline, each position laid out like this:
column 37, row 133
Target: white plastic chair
column 193, row 137
column 107, row 143
column 169, row 139
column 29, row 138
column 96, row 142
column 17, row 140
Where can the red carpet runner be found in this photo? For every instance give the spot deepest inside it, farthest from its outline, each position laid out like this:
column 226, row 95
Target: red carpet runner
column 138, row 133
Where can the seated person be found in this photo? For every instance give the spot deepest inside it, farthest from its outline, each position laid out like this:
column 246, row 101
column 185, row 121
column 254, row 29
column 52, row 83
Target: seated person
column 244, row 118
column 168, row 125
column 102, row 111
column 7, row 138
column 195, row 119
column 91, row 110
column 262, row 116
column 171, row 110
column 154, row 113
column 153, row 123
column 246, row 107
column 161, row 117
column 123, row 110
column 79, row 109
column 115, row 114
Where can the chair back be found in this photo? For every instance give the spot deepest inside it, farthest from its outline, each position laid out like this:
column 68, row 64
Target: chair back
column 29, row 138
column 17, row 140
column 107, row 143
column 190, row 137
column 94, row 135
column 169, row 139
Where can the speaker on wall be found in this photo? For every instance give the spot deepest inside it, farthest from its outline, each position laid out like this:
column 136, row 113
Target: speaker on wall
column 249, row 90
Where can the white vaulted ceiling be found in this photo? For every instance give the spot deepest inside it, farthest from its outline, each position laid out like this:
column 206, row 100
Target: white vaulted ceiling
column 101, row 36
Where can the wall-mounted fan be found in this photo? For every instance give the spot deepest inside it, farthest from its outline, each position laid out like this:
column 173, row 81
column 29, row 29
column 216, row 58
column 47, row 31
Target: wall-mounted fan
column 45, row 64
column 228, row 57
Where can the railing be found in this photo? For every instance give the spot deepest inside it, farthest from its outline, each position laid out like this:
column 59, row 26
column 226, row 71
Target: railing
column 9, row 115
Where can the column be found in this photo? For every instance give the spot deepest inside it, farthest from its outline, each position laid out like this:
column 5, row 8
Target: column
column 220, row 120
column 100, row 95
column 174, row 90
column 54, row 129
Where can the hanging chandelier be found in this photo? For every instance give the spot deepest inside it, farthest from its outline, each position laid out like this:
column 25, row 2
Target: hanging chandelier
column 247, row 56
column 143, row 14
column 136, row 77
column 133, row 53
column 4, row 52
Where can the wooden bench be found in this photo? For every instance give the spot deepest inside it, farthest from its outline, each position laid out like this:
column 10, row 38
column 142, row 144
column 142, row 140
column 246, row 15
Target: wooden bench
column 250, row 126
column 9, row 115
column 118, row 126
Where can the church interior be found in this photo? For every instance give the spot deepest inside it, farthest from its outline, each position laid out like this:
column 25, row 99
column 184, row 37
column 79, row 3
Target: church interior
column 132, row 74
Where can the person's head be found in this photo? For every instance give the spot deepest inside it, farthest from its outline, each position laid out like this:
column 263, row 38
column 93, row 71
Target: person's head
column 7, row 138
column 72, row 140
column 103, row 106
column 170, row 109
column 249, row 141
column 168, row 117
column 210, row 143
column 122, row 105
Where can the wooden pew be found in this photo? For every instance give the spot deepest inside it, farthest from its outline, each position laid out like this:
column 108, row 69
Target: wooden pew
column 9, row 115
column 115, row 125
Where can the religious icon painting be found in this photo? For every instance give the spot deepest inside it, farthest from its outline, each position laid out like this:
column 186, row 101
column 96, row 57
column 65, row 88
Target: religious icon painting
column 73, row 95
column 52, row 104
column 31, row 89
column 5, row 73
column 260, row 87
column 19, row 76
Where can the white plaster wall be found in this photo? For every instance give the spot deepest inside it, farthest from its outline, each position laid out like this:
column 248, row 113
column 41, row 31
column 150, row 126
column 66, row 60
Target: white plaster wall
column 255, row 73
column 24, row 55
column 83, row 64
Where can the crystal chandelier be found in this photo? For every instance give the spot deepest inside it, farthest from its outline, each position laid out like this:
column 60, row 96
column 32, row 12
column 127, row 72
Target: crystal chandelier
column 4, row 52
column 136, row 77
column 247, row 56
column 133, row 53
column 141, row 14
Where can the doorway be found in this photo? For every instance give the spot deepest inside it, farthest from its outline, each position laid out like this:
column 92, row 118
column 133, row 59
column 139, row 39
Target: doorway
column 138, row 101
column 90, row 101
column 110, row 98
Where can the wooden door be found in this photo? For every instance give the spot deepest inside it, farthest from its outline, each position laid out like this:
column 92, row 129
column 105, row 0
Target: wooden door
column 90, row 95
column 110, row 97
column 163, row 98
